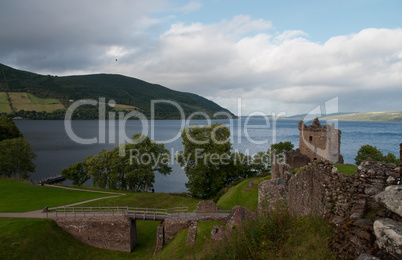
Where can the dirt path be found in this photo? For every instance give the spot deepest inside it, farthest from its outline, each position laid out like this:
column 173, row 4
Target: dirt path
column 39, row 213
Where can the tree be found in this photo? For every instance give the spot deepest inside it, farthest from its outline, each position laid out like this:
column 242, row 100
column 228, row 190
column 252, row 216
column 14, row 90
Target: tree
column 262, row 163
column 391, row 158
column 142, row 159
column 368, row 151
column 16, row 158
column 206, row 158
column 281, row 147
column 8, row 129
column 78, row 173
column 208, row 161
column 133, row 170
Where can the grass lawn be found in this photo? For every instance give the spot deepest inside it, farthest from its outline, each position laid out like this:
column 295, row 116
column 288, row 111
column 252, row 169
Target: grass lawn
column 347, row 169
column 237, row 196
column 148, row 200
column 43, row 239
column 19, row 196
column 4, row 104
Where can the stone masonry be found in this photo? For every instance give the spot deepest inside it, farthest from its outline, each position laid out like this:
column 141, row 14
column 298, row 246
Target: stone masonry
column 113, row 233
column 319, row 189
column 320, row 142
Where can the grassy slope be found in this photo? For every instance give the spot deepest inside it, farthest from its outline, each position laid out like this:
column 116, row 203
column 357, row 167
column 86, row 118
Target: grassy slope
column 4, row 104
column 122, row 89
column 235, row 195
column 17, row 196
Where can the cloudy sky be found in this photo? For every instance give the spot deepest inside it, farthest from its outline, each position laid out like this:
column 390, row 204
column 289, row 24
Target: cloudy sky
column 277, row 56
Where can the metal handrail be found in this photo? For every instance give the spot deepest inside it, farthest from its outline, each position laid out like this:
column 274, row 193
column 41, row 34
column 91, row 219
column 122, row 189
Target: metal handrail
column 119, row 210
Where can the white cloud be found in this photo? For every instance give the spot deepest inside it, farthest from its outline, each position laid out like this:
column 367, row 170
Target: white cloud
column 241, row 57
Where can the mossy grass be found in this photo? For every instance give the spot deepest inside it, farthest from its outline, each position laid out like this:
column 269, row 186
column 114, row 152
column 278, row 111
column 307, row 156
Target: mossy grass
column 21, row 196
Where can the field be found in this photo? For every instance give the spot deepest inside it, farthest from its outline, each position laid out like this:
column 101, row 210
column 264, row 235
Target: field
column 29, row 102
column 4, row 104
column 125, row 107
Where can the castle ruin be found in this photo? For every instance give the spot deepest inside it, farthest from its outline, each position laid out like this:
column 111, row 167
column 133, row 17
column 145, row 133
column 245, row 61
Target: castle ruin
column 320, row 142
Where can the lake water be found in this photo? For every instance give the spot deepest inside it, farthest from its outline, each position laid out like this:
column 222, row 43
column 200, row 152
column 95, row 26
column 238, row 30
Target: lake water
column 56, row 150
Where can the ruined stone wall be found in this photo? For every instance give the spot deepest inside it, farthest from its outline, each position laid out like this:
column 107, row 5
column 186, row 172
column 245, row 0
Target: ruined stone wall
column 113, row 233
column 319, row 189
column 296, row 159
column 320, row 142
column 307, row 190
column 173, row 226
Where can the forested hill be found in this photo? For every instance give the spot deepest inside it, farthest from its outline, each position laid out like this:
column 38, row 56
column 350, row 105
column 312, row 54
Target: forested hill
column 129, row 93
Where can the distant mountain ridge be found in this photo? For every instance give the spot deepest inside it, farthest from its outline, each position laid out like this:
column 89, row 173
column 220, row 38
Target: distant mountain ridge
column 122, row 89
column 386, row 116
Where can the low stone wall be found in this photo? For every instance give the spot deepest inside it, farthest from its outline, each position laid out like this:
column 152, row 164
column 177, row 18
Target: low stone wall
column 207, row 206
column 113, row 233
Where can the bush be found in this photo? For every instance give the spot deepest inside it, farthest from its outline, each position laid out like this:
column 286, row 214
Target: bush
column 368, row 151
column 277, row 235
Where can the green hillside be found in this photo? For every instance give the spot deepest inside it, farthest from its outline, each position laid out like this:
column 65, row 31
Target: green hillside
column 391, row 116
column 123, row 90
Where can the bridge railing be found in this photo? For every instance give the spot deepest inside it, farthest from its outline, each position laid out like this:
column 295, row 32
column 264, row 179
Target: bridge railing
column 116, row 211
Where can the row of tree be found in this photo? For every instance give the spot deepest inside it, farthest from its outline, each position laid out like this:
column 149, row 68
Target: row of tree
column 207, row 159
column 16, row 155
column 127, row 167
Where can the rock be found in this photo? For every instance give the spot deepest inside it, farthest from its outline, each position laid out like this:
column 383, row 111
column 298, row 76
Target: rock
column 218, row 232
column 389, row 236
column 390, row 180
column 238, row 215
column 391, row 198
column 367, row 257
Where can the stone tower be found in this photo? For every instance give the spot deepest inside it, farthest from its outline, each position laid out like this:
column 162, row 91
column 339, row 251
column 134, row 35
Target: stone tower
column 320, row 142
